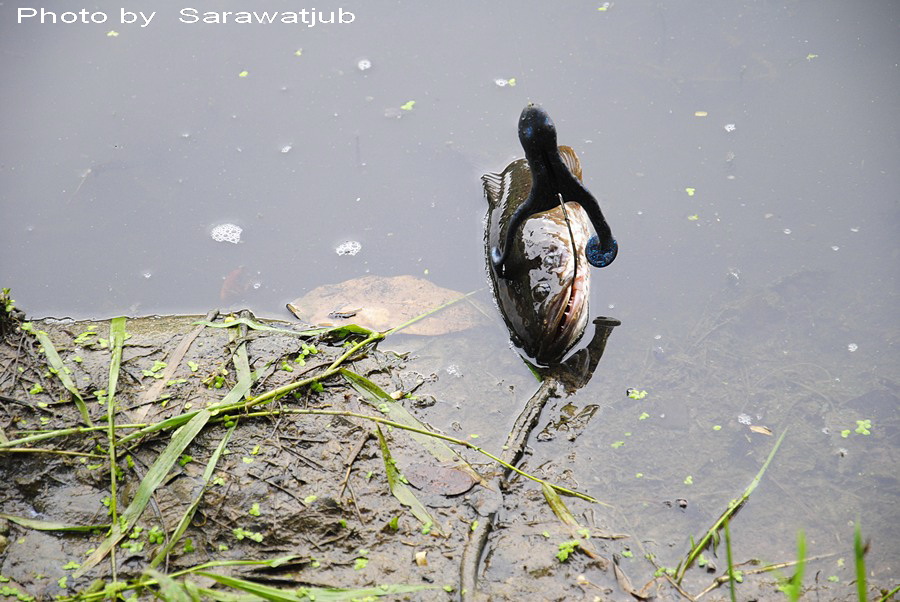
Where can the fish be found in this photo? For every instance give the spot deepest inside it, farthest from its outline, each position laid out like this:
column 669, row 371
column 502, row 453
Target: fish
column 539, row 245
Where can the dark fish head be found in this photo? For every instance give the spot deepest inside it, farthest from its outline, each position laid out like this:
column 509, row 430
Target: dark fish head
column 537, row 134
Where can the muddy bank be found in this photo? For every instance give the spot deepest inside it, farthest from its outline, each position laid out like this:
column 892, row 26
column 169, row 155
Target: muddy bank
column 295, row 479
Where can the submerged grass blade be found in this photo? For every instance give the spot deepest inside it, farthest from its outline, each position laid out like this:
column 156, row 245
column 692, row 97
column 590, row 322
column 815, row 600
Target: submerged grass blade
column 60, row 369
column 379, row 399
column 429, row 312
column 169, row 589
column 733, row 506
column 399, row 488
column 319, row 594
column 46, row 525
column 155, row 475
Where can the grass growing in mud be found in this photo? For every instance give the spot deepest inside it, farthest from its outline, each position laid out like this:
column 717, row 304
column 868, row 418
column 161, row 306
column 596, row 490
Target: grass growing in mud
column 126, row 433
column 186, row 517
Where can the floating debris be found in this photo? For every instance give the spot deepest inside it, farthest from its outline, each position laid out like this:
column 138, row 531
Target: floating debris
column 408, row 106
column 364, row 64
column 852, row 347
column 787, row 230
column 350, row 247
column 700, row 114
column 730, row 127
column 287, row 148
column 227, row 233
column 505, row 82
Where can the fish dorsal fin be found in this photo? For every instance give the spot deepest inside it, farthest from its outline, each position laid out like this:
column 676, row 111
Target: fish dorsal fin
column 570, row 159
column 493, row 186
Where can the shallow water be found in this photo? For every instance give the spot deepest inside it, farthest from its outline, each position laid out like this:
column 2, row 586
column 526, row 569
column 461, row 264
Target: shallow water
column 770, row 291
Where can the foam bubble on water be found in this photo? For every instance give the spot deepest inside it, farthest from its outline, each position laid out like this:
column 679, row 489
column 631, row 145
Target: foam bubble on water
column 227, row 233
column 350, row 247
column 364, row 64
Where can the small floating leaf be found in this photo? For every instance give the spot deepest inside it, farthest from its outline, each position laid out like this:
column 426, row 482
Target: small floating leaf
column 243, row 73
column 811, row 56
column 408, row 106
column 694, row 217
column 690, row 191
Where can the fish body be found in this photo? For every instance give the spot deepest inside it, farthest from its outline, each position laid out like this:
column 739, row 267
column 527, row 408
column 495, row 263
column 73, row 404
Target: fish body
column 544, row 294
column 539, row 242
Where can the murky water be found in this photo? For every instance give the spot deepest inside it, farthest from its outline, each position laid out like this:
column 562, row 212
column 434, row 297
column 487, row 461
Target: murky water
column 745, row 154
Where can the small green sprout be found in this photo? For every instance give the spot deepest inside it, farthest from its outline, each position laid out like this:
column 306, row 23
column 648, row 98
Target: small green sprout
column 617, row 444
column 394, row 524
column 690, row 191
column 35, row 390
column 644, row 416
column 185, row 460
column 254, row 509
column 317, row 387
column 636, row 393
column 863, row 426
column 241, row 534
column 194, row 366
column 310, row 499
column 474, row 525
column 693, row 217
column 689, row 480
column 71, row 566
column 408, row 106
column 244, row 73
column 189, row 545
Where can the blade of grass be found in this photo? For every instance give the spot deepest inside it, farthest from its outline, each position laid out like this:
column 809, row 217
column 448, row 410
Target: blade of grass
column 859, row 555
column 155, row 475
column 116, row 341
column 189, row 512
column 733, row 506
column 797, row 579
column 563, row 513
column 400, row 489
column 732, row 576
column 60, row 369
